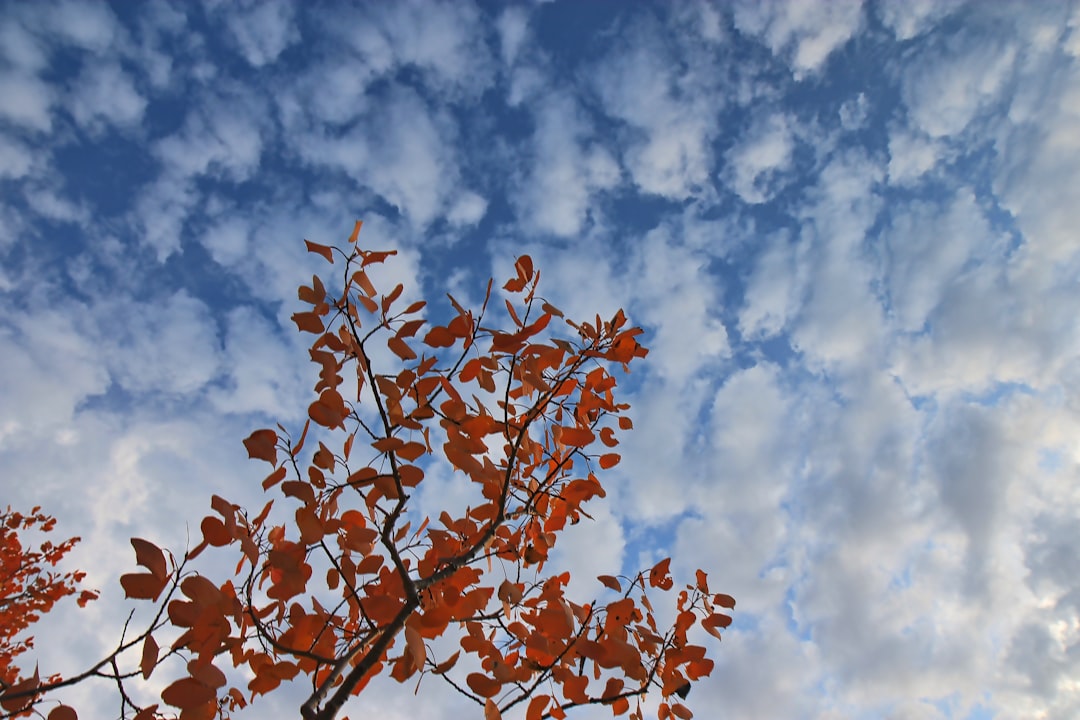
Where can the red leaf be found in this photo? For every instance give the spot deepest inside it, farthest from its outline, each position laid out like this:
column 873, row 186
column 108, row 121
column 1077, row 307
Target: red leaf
column 150, row 557
column 308, row 322
column 355, row 232
column 536, row 707
column 576, row 436
column 141, row 586
column 439, row 336
column 149, row 656
column 609, row 460
column 187, row 693
column 262, row 445
column 321, row 250
column 660, row 575
column 491, row 710
column 63, row 712
column 610, row 581
column 482, row 685
column 400, row 348
column 724, row 600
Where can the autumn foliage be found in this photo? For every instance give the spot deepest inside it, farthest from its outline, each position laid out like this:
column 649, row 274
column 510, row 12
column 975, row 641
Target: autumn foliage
column 29, row 588
column 338, row 578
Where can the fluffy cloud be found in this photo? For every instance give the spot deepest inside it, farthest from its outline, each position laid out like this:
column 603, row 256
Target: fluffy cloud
column 757, row 164
column 808, row 32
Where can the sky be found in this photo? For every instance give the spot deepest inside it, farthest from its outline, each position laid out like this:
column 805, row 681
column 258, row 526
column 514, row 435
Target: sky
column 848, row 229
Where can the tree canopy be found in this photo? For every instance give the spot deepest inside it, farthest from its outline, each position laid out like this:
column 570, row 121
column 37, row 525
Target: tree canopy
column 338, row 578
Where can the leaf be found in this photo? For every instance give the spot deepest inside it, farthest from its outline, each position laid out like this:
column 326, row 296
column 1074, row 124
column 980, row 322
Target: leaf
column 400, row 348
column 724, row 600
column 149, row 656
column 681, row 711
column 415, row 644
column 214, row 531
column 321, row 250
column 609, row 460
column 187, row 693
column 660, row 575
column 355, row 232
column 715, row 621
column 611, row 582
column 439, row 336
column 262, row 445
column 482, row 685
column 150, row 557
column 537, row 706
column 576, row 436
column 491, row 710
column 63, row 712
column 446, row 664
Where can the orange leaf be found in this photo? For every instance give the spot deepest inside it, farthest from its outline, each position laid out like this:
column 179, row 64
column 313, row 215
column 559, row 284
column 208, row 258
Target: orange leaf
column 262, row 445
column 609, row 460
column 187, row 693
column 611, row 582
column 446, row 664
column 150, row 557
column 724, row 600
column 536, row 707
column 439, row 336
column 625, row 423
column 415, row 644
column 681, row 711
column 63, row 712
column 660, row 575
column 308, row 322
column 607, row 436
column 400, row 348
column 149, row 656
column 214, row 531
column 321, row 250
column 491, row 710
column 355, row 232
column 576, row 436
column 482, row 685
column 274, row 478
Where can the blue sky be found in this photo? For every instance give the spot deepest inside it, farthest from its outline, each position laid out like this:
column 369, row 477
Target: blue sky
column 849, row 230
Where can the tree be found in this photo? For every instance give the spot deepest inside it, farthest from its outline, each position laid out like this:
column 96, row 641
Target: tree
column 333, row 582
column 28, row 590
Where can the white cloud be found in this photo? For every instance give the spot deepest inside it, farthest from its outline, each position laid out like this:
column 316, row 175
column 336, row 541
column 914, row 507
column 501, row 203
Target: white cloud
column 841, row 321
column 16, row 159
column 909, row 18
column 228, row 240
column 442, row 40
column 263, row 373
column 911, row 155
column 672, row 116
column 676, row 297
column 757, row 164
column 222, row 137
column 168, row 346
column 88, row 25
column 929, row 244
column 946, row 90
column 513, row 27
column 468, row 209
column 807, row 31
column 20, row 47
column 567, row 172
column 263, row 29
column 775, row 288
column 27, row 101
column 50, row 366
column 105, row 94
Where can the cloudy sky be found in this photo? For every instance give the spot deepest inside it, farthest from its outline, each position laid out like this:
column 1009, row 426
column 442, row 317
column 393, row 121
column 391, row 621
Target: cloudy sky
column 850, row 231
